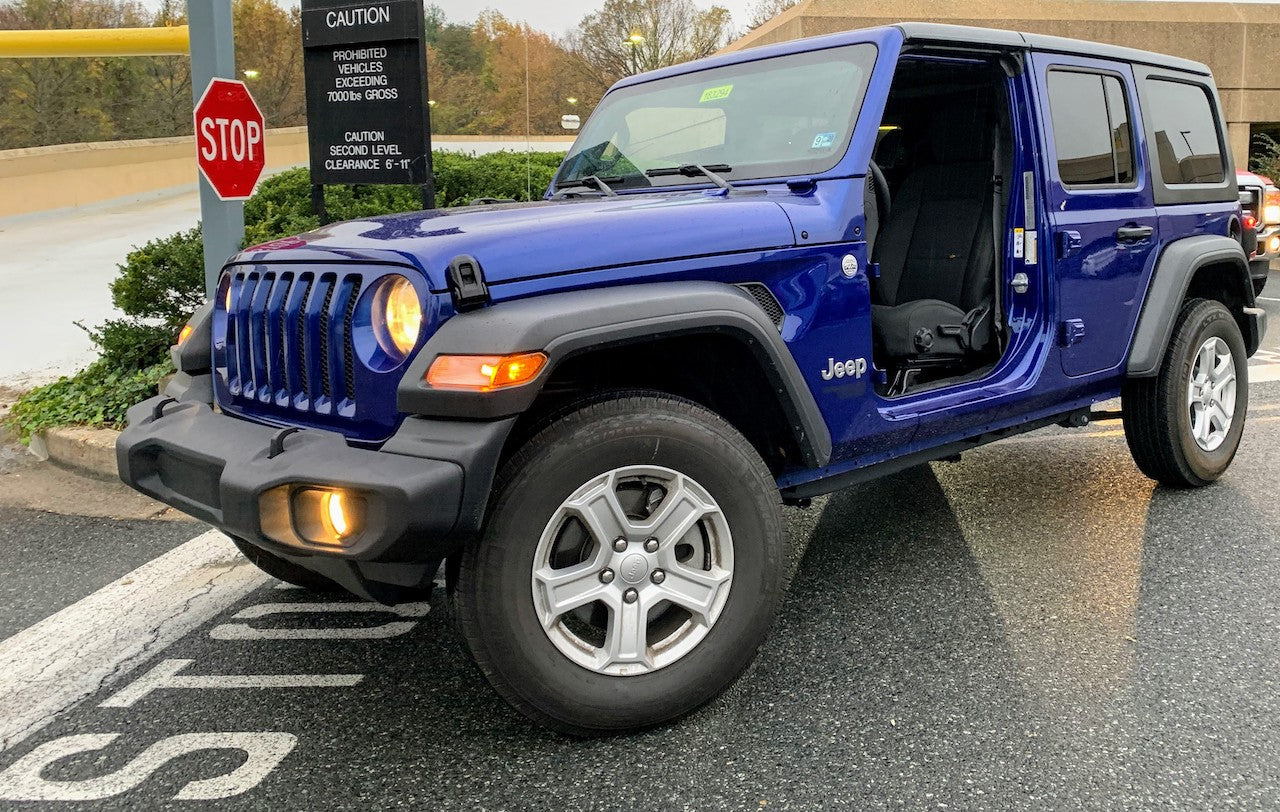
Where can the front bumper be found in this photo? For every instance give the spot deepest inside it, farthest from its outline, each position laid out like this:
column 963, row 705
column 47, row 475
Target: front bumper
column 1260, row 264
column 1255, row 329
column 425, row 489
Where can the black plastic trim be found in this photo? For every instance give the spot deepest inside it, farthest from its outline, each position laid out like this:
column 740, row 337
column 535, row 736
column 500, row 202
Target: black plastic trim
column 567, row 324
column 1177, row 265
column 831, row 484
column 195, row 355
column 427, row 487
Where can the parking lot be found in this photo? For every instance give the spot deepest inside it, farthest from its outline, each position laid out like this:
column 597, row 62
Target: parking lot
column 1035, row 626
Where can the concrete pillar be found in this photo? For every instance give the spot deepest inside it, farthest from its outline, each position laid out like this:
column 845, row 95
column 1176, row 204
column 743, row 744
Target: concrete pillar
column 1238, row 142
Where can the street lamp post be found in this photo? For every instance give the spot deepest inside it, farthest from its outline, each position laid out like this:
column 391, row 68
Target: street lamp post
column 634, row 42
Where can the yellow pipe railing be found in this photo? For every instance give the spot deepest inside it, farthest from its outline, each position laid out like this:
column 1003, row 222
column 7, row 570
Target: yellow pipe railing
column 161, row 41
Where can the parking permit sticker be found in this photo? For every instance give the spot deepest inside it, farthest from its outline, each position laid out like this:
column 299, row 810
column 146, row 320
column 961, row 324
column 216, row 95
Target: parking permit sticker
column 823, row 140
column 1017, row 243
column 716, row 93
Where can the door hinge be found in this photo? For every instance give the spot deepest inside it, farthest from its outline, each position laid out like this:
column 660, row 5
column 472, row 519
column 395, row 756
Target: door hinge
column 1072, row 332
column 1068, row 243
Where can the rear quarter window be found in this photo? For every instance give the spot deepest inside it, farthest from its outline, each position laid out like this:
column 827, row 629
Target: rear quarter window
column 1185, row 142
column 1186, row 145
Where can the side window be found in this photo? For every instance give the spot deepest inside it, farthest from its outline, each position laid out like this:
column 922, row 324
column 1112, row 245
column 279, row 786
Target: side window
column 1186, row 135
column 1091, row 129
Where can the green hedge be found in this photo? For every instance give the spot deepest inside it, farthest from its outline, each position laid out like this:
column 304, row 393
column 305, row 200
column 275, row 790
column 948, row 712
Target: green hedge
column 162, row 283
column 282, row 204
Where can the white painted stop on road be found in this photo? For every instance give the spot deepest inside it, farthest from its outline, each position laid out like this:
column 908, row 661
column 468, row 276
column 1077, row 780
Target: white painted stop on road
column 230, row 144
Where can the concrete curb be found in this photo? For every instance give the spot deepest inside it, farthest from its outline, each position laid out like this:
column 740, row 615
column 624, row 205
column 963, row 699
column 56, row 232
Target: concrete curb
column 89, row 451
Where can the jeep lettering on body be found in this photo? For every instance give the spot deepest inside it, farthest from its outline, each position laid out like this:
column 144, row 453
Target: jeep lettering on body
column 826, row 260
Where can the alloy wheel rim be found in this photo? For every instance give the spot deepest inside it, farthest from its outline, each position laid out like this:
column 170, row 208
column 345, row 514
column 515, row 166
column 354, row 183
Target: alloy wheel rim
column 1211, row 394
column 633, row 570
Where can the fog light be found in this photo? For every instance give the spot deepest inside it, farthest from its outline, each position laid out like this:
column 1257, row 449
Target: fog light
column 1273, row 244
column 327, row 516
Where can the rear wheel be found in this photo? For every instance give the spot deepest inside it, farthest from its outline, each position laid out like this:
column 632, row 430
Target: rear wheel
column 630, row 569
column 1184, row 425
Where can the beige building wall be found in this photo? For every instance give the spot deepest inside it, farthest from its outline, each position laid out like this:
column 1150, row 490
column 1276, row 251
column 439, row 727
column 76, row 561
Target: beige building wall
column 1240, row 42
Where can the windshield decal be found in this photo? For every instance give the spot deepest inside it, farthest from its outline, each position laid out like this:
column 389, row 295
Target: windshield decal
column 715, row 93
column 824, row 140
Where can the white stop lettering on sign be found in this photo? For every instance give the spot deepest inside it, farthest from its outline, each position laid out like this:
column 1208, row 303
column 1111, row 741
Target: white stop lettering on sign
column 235, row 140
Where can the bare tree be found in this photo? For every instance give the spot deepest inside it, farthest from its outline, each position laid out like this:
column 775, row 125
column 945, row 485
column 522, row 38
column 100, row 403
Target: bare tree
column 631, row 36
column 765, row 10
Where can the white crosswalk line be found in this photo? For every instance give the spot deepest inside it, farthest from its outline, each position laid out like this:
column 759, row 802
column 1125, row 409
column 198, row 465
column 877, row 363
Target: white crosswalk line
column 71, row 654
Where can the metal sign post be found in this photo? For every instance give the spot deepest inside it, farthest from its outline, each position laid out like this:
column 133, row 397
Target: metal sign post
column 368, row 120
column 213, row 56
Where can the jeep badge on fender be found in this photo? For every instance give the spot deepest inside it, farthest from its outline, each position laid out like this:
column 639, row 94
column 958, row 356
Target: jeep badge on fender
column 854, row 368
column 595, row 436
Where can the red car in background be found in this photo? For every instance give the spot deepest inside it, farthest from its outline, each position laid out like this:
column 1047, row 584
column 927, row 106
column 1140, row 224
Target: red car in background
column 1260, row 199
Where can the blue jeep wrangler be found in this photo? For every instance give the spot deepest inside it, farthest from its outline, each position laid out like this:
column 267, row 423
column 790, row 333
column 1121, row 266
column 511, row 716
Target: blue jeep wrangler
column 755, row 279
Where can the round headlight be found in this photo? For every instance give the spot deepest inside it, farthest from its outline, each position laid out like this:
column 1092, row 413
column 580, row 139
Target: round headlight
column 397, row 316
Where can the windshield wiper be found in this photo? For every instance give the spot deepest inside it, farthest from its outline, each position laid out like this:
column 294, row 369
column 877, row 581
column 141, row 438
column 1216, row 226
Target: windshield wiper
column 693, row 170
column 590, row 182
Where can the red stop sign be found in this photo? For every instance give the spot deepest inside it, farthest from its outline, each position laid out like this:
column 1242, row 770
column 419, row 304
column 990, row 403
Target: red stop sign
column 229, row 139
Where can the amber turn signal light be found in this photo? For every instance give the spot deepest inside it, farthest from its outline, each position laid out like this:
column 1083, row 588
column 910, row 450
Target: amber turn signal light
column 484, row 373
column 185, row 334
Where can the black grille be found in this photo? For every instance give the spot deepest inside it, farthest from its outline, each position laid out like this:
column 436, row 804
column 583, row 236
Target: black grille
column 1251, row 200
column 289, row 339
column 348, row 351
column 764, row 297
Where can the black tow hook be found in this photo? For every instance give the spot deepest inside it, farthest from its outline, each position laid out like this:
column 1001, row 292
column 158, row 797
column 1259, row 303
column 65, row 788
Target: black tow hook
column 157, row 411
column 277, row 442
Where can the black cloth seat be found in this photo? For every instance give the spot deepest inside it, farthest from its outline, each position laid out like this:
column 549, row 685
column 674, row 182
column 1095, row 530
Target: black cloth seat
column 934, row 297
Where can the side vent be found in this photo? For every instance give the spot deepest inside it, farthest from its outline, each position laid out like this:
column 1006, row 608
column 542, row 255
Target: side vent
column 764, row 297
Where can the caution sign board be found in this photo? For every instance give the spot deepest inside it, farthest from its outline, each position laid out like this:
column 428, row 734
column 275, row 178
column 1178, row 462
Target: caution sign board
column 366, row 74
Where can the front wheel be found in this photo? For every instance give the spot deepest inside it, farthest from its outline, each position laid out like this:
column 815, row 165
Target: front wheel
column 631, row 567
column 286, row 571
column 1184, row 425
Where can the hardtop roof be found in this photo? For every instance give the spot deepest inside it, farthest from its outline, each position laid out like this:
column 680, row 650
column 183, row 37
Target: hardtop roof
column 933, row 33
column 941, row 33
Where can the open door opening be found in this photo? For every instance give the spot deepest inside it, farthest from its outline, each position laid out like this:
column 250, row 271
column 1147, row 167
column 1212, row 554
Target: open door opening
column 936, row 211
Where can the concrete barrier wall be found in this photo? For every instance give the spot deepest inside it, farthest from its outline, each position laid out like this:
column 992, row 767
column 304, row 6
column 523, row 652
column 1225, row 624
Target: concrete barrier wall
column 44, row 178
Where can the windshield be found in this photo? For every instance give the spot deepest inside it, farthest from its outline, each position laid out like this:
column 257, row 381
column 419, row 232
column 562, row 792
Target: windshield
column 784, row 116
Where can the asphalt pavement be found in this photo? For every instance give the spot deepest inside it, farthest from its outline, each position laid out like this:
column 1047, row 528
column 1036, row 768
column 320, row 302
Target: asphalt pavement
column 1035, row 626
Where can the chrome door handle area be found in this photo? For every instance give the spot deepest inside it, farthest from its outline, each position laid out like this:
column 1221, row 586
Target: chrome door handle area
column 1134, row 233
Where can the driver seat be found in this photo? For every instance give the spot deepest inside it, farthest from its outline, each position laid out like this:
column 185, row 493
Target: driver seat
column 933, row 301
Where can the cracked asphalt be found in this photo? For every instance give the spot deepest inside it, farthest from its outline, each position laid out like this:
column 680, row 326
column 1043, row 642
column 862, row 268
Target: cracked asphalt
column 1035, row 626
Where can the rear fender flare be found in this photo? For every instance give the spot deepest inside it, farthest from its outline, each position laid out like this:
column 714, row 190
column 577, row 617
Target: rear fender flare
column 1175, row 269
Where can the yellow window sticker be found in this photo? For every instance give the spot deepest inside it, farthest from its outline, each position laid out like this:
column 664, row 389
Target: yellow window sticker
column 716, row 93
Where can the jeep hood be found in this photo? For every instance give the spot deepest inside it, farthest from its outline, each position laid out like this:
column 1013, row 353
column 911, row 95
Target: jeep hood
column 520, row 241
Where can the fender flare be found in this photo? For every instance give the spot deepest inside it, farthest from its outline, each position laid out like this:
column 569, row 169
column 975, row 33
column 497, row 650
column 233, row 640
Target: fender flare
column 1172, row 277
column 563, row 325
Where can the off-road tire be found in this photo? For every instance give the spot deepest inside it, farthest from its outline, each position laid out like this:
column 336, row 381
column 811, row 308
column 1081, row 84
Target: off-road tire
column 1157, row 420
column 287, row 571
column 494, row 603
